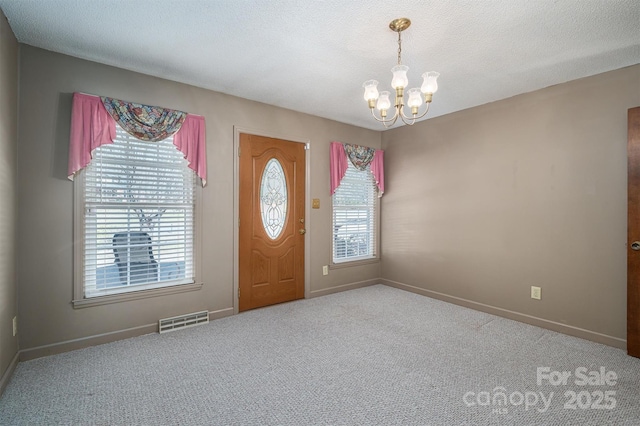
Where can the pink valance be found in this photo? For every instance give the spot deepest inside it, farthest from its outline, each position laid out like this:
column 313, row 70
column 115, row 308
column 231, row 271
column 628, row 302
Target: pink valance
column 190, row 140
column 92, row 126
column 377, row 168
column 338, row 163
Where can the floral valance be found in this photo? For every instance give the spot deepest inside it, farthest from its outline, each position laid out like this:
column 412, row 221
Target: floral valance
column 145, row 122
column 93, row 123
column 360, row 157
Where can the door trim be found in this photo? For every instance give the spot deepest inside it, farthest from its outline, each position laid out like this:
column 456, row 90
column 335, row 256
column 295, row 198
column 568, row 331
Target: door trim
column 633, row 205
column 236, row 204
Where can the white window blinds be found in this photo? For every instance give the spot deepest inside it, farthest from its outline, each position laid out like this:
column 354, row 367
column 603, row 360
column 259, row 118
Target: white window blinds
column 354, row 216
column 138, row 217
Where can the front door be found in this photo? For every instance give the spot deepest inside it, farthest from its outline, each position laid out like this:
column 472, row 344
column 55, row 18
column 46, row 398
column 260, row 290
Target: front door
column 272, row 215
column 633, row 231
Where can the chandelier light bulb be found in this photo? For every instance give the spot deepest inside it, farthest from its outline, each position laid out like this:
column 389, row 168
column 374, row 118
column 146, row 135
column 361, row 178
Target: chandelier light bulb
column 430, row 83
column 370, row 90
column 383, row 101
column 400, row 80
column 415, row 98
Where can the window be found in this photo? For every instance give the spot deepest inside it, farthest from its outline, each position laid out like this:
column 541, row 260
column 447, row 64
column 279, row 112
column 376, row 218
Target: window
column 137, row 203
column 355, row 210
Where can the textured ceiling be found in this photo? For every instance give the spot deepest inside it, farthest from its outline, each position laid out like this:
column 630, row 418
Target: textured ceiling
column 314, row 55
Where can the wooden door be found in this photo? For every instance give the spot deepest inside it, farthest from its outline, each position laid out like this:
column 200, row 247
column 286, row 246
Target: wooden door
column 272, row 228
column 633, row 234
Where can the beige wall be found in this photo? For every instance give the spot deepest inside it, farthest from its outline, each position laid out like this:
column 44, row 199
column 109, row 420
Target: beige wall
column 45, row 249
column 8, row 205
column 484, row 203
column 480, row 204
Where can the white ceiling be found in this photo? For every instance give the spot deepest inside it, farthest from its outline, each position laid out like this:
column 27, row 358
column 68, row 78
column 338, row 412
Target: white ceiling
column 313, row 55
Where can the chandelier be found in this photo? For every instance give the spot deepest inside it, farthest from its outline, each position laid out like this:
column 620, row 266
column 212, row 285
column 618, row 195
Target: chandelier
column 399, row 82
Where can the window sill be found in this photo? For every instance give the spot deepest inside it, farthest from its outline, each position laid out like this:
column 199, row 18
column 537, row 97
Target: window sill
column 134, row 295
column 352, row 263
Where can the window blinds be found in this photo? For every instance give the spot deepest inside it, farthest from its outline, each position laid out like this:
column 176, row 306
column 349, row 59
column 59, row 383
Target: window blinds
column 354, row 216
column 139, row 217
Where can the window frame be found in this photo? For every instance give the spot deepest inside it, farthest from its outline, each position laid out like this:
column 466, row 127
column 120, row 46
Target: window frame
column 79, row 300
column 359, row 261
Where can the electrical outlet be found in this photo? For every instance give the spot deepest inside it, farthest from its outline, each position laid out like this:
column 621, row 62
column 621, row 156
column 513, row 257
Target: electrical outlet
column 536, row 292
column 325, row 270
column 15, row 325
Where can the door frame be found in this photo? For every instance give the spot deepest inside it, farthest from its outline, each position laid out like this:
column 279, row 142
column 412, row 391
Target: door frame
column 236, row 204
column 633, row 201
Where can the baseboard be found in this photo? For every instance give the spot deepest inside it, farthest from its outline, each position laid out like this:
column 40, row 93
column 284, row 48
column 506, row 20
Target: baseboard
column 70, row 345
column 6, row 377
column 220, row 313
column 99, row 339
column 85, row 342
column 516, row 316
column 344, row 287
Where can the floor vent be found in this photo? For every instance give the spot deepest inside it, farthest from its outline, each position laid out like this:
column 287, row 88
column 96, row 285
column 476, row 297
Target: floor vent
column 183, row 321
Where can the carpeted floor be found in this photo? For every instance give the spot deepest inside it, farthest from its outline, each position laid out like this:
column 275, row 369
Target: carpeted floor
column 372, row 356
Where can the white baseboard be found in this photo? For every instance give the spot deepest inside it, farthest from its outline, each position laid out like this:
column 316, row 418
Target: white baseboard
column 6, row 376
column 344, row 287
column 605, row 339
column 99, row 339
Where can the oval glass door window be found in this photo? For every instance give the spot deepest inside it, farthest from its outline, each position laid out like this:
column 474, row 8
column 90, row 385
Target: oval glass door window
column 273, row 198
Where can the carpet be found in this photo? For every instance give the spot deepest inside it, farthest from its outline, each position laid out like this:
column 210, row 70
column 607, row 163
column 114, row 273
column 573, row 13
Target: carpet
column 370, row 356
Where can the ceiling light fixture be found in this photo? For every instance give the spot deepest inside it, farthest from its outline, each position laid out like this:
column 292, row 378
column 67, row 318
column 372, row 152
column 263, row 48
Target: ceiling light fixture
column 399, row 82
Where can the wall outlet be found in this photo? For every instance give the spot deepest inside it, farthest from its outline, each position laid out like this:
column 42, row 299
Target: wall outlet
column 325, row 270
column 15, row 325
column 536, row 292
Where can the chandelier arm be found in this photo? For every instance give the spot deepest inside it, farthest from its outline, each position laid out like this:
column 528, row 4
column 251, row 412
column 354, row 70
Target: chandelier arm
column 404, row 119
column 373, row 114
column 425, row 111
column 395, row 116
column 417, row 116
column 387, row 122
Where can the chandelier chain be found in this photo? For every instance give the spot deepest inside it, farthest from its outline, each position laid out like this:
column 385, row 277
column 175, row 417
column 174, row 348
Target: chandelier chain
column 399, row 47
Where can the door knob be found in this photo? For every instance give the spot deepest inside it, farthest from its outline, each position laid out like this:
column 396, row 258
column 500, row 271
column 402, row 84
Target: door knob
column 304, row 231
column 635, row 245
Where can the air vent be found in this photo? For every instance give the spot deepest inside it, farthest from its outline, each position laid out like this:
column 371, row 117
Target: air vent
column 183, row 321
